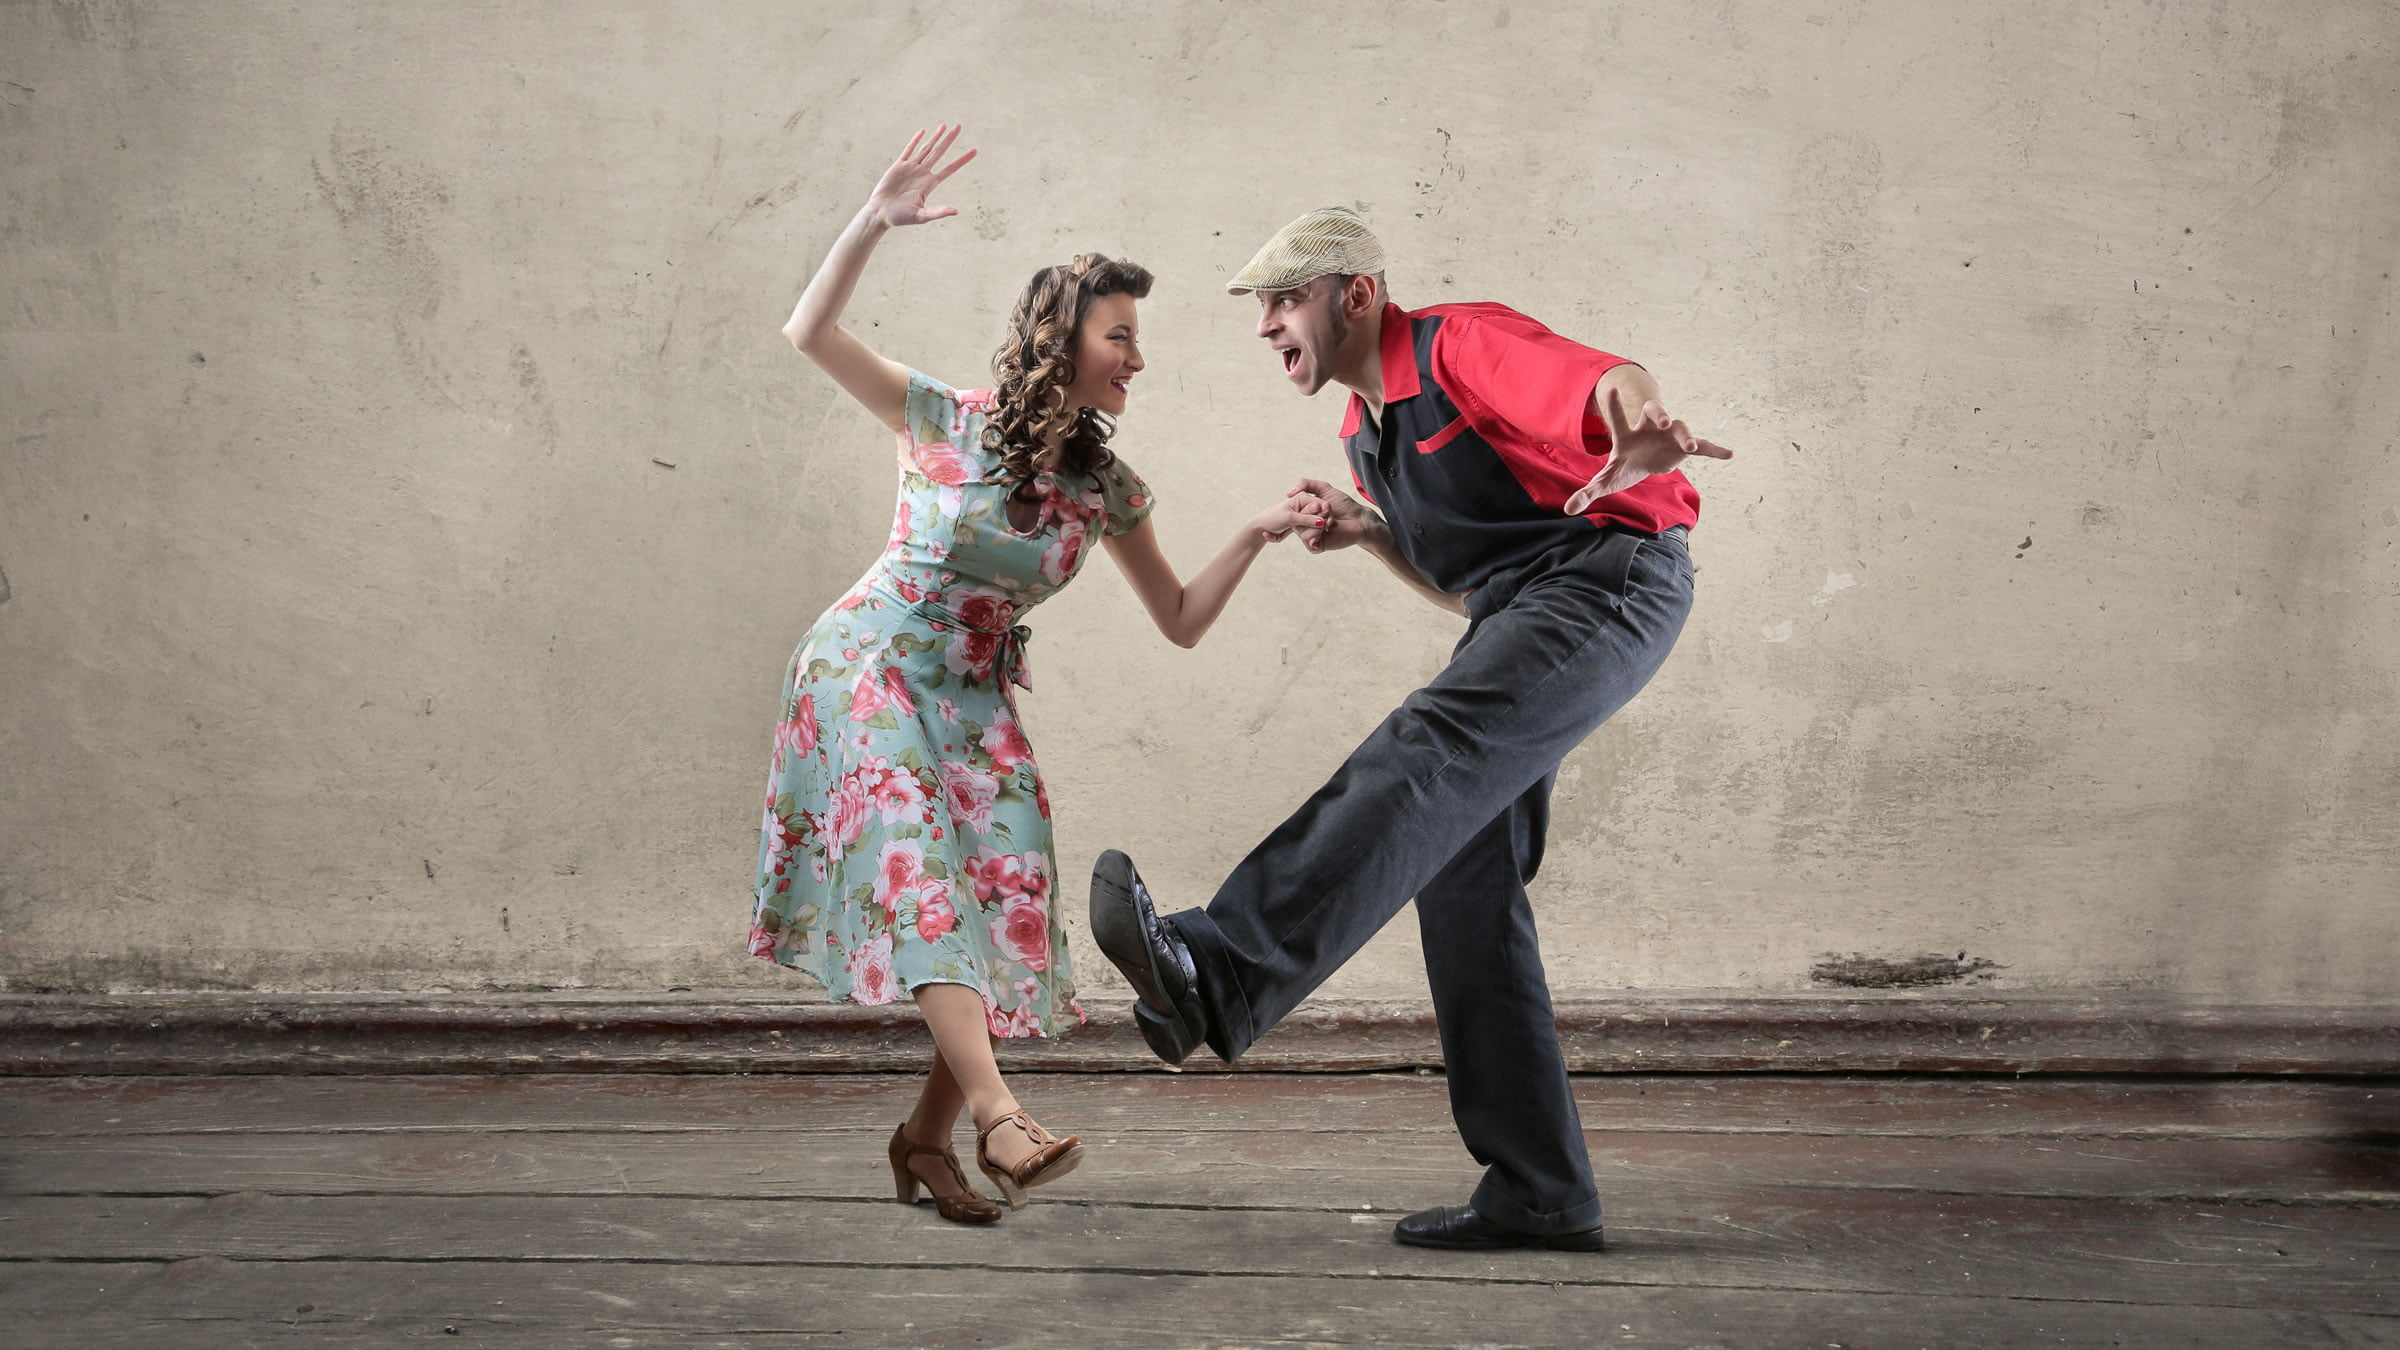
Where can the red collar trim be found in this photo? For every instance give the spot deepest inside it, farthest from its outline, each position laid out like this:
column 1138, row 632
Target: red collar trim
column 1396, row 345
column 1399, row 355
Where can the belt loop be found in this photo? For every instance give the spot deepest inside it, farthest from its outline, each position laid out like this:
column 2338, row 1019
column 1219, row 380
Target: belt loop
column 1616, row 561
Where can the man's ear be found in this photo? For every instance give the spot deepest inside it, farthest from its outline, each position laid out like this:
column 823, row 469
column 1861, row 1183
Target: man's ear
column 1358, row 296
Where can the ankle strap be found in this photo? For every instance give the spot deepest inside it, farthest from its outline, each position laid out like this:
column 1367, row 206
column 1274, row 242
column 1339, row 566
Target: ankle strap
column 1033, row 1131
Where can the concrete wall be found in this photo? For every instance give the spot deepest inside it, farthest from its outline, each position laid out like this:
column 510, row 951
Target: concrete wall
column 356, row 637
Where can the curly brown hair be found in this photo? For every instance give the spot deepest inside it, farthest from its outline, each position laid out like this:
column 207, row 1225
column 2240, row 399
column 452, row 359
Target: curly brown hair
column 1036, row 363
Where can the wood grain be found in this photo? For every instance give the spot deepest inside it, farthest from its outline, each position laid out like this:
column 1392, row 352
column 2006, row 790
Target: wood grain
column 215, row 1302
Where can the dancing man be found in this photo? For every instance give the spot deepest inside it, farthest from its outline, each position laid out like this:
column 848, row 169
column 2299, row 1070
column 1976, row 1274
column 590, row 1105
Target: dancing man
column 1532, row 485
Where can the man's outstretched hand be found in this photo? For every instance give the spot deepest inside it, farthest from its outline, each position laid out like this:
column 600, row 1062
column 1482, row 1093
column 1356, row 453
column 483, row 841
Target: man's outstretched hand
column 1640, row 447
column 1343, row 521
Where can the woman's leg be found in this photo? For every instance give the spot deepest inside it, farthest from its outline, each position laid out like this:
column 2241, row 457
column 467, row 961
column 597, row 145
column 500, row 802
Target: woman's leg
column 938, row 1105
column 962, row 1042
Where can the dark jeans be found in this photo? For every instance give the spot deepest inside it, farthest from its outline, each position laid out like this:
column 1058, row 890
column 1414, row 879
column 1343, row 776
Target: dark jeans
column 1448, row 802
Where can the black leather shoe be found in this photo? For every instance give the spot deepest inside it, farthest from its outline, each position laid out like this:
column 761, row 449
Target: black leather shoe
column 1459, row 1228
column 1150, row 956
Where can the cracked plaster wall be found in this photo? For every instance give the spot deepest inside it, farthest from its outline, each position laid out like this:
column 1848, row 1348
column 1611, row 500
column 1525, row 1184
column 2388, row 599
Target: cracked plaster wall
column 356, row 633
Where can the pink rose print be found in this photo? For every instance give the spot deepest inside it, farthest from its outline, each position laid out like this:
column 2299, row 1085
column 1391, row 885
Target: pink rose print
column 970, row 795
column 948, row 708
column 941, row 462
column 817, row 867
column 971, row 653
column 870, row 971
column 798, row 733
column 1058, row 560
column 897, row 793
column 895, row 689
column 1018, row 1021
column 902, row 868
column 1007, row 744
column 899, row 529
column 847, row 811
column 1041, row 798
column 785, row 834
column 935, row 915
column 762, row 943
column 867, row 697
column 994, row 873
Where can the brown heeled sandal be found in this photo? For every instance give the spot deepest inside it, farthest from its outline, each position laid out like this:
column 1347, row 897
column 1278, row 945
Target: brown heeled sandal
column 969, row 1206
column 1052, row 1158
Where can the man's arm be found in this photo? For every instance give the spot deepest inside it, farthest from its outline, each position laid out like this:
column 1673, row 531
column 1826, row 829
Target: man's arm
column 1639, row 447
column 1349, row 523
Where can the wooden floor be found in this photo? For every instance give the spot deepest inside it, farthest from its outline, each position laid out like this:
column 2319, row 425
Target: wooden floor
column 1214, row 1210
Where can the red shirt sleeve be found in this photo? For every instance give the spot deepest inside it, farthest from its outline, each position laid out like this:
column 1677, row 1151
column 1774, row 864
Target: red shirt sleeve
column 1506, row 369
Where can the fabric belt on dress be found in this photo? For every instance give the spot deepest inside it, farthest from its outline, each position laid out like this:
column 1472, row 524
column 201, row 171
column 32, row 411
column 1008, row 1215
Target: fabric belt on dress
column 1008, row 655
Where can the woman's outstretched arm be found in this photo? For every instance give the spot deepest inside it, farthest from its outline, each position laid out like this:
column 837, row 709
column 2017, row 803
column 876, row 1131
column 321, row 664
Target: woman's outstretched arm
column 1183, row 611
column 815, row 326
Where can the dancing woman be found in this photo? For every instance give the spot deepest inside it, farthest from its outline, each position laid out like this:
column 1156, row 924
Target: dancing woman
column 907, row 844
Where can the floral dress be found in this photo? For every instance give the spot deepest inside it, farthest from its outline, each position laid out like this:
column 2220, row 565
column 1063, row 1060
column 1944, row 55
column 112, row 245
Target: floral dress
column 907, row 835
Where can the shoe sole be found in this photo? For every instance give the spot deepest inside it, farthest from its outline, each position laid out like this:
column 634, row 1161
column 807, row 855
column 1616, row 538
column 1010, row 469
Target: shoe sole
column 1564, row 1242
column 1117, row 930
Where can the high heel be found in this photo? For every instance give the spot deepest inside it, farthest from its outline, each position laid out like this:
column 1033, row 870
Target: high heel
column 1052, row 1158
column 968, row 1206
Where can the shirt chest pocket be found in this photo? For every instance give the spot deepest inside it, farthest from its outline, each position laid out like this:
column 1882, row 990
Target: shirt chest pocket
column 1457, row 468
column 1433, row 443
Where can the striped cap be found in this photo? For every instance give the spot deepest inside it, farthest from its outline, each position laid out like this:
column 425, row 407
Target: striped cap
column 1329, row 241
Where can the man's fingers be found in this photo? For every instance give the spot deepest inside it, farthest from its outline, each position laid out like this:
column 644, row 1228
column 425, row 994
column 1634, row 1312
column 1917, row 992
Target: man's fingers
column 1612, row 411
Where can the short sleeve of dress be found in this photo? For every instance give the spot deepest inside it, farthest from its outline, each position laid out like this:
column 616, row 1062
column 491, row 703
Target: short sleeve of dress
column 1127, row 496
column 942, row 431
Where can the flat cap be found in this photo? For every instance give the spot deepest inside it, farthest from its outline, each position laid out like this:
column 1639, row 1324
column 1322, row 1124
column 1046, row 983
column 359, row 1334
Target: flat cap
column 1329, row 241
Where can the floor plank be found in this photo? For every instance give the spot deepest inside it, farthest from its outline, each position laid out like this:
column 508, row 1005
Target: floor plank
column 2030, row 1108
column 2130, row 1252
column 1240, row 1210
column 1323, row 1167
column 214, row 1301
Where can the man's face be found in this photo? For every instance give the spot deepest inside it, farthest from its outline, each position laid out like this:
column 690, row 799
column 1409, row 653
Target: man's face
column 1306, row 329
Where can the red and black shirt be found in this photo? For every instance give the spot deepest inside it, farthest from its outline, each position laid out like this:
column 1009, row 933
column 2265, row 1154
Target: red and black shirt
column 1486, row 432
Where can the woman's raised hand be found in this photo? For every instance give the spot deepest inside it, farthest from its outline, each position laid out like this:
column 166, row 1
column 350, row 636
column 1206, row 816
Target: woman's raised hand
column 899, row 199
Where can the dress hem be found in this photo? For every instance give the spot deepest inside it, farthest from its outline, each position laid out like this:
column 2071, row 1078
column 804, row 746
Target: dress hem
column 1038, row 1033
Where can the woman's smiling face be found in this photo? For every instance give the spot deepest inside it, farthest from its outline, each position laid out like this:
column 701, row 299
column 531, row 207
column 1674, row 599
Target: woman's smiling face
column 1108, row 354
